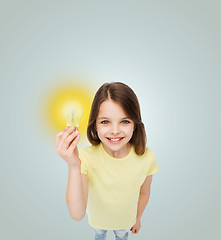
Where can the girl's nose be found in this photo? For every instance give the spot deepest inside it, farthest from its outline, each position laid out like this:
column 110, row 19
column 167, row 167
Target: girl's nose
column 115, row 129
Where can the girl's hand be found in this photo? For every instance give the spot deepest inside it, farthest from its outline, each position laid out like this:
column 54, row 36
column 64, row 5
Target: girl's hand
column 136, row 227
column 66, row 146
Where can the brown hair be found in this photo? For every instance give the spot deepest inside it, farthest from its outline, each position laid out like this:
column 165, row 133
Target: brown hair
column 125, row 96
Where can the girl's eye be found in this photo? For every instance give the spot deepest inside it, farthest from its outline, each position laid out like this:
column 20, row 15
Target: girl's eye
column 105, row 122
column 125, row 121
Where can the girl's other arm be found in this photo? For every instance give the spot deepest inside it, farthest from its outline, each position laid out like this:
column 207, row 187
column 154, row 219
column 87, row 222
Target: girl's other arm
column 142, row 202
column 144, row 196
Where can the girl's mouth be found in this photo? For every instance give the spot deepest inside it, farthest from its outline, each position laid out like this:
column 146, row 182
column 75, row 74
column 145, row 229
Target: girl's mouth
column 115, row 140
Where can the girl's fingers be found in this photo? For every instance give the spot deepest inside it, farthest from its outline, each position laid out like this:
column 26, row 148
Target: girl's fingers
column 61, row 137
column 58, row 136
column 67, row 131
column 71, row 138
column 74, row 143
column 68, row 137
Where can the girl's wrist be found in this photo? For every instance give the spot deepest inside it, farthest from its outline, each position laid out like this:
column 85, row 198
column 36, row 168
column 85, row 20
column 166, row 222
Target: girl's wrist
column 74, row 168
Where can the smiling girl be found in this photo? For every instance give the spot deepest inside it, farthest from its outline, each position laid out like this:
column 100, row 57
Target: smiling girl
column 111, row 179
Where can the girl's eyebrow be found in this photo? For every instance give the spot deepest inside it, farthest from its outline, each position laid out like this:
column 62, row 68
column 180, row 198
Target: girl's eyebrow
column 108, row 118
column 102, row 118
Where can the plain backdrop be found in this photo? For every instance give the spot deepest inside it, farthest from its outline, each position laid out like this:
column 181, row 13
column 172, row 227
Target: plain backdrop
column 169, row 53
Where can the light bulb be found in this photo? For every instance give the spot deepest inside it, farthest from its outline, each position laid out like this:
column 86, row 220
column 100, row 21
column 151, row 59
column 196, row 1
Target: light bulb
column 72, row 112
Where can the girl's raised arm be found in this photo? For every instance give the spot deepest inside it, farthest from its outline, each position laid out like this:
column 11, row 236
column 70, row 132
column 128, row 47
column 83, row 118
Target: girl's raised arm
column 77, row 187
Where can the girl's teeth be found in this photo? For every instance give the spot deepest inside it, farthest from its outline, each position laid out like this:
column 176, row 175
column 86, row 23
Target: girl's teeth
column 115, row 139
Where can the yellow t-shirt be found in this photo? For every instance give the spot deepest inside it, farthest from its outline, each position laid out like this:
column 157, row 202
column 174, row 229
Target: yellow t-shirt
column 114, row 185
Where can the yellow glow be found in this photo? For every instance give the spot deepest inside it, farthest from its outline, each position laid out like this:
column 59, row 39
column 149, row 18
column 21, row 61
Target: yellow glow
column 57, row 95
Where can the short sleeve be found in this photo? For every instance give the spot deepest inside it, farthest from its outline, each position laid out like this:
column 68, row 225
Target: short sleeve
column 152, row 165
column 84, row 167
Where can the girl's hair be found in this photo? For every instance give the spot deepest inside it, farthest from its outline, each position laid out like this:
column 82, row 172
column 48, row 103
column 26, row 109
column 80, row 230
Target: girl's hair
column 126, row 98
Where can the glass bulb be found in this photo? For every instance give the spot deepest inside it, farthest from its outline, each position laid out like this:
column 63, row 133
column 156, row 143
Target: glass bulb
column 72, row 112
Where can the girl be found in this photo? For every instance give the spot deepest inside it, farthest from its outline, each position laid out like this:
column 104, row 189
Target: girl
column 111, row 179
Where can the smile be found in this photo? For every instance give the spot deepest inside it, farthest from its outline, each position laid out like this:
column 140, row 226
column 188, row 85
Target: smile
column 115, row 140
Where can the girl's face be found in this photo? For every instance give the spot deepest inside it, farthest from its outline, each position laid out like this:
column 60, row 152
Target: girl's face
column 114, row 128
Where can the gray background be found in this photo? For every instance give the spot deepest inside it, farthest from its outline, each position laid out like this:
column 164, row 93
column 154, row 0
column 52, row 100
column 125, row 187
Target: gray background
column 168, row 52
